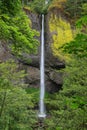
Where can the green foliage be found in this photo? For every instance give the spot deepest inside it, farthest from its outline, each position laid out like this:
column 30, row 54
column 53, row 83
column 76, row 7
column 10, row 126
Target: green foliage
column 77, row 47
column 11, row 7
column 23, row 36
column 35, row 95
column 40, row 6
column 4, row 32
column 74, row 8
column 16, row 29
column 68, row 108
column 15, row 114
column 57, row 4
column 82, row 22
column 10, row 76
column 63, row 33
column 15, row 104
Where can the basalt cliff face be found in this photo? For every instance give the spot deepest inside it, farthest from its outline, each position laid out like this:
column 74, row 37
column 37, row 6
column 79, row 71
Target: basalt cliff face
column 53, row 78
column 56, row 27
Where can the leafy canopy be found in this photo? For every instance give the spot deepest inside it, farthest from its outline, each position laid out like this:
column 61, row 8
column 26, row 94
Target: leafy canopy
column 15, row 28
column 15, row 103
column 68, row 108
column 11, row 7
column 41, row 6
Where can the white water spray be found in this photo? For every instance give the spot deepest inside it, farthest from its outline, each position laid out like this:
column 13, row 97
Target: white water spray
column 42, row 77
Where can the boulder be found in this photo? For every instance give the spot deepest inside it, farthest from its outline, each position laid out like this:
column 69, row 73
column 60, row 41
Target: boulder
column 56, row 77
column 52, row 87
column 31, row 60
column 33, row 76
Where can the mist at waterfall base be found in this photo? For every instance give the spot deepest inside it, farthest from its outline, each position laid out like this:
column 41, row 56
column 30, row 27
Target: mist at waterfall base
column 42, row 75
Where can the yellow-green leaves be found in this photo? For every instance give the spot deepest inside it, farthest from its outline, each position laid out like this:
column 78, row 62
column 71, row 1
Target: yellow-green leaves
column 62, row 33
column 4, row 31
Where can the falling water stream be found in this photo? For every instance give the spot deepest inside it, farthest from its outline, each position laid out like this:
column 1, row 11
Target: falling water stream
column 42, row 73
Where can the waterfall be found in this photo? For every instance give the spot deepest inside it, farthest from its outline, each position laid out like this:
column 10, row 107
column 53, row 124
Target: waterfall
column 42, row 77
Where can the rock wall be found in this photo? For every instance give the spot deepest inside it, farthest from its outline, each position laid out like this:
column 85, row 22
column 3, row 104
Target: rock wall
column 53, row 64
column 53, row 78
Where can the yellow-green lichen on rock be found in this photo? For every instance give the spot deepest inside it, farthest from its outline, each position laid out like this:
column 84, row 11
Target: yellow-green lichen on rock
column 61, row 33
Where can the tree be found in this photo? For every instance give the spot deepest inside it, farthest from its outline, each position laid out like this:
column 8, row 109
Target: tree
column 67, row 108
column 40, row 6
column 15, row 104
column 12, row 7
column 15, row 28
column 73, row 8
column 82, row 22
